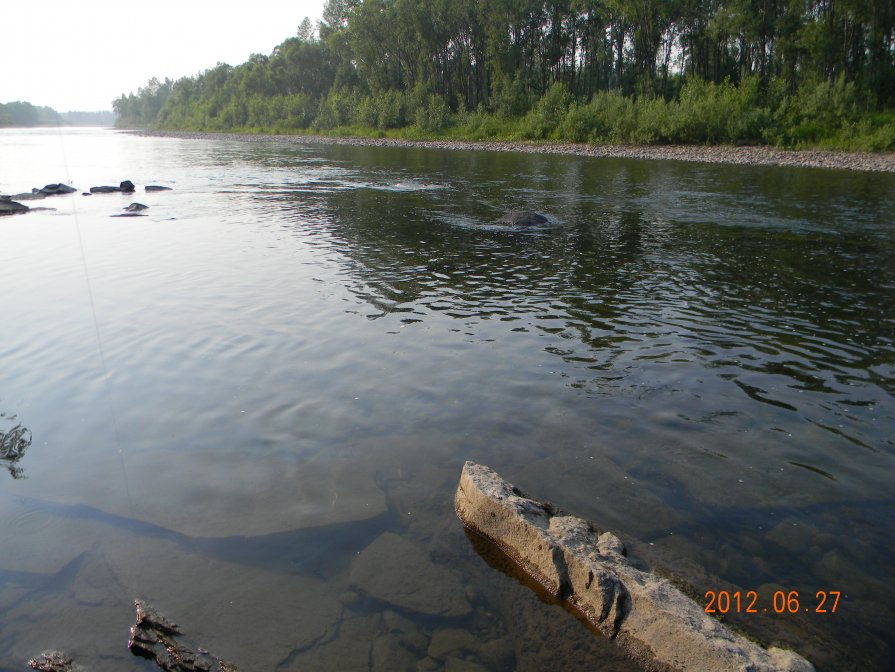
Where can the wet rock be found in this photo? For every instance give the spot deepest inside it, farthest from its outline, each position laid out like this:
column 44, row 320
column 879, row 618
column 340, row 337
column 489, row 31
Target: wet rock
column 12, row 208
column 454, row 664
column 451, row 640
column 33, row 195
column 136, row 207
column 53, row 661
column 105, row 190
column 522, row 218
column 397, row 571
column 654, row 621
column 14, row 442
column 156, row 187
column 129, row 214
column 127, row 187
column 155, row 637
column 56, row 189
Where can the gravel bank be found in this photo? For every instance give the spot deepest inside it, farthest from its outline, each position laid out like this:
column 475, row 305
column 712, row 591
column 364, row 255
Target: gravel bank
column 752, row 156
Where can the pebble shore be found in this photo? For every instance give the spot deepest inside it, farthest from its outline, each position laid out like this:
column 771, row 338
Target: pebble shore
column 749, row 156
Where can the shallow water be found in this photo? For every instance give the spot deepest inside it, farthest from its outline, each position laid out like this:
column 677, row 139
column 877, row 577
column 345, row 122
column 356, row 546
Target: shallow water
column 222, row 406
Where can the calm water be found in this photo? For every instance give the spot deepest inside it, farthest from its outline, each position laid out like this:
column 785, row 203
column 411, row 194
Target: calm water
column 251, row 406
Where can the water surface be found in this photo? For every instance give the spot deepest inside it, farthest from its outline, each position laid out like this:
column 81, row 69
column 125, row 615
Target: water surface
column 231, row 406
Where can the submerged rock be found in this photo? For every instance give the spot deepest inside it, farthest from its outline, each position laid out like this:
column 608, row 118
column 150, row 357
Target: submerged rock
column 522, row 218
column 657, row 624
column 155, row 637
column 136, row 207
column 12, row 208
column 397, row 571
column 33, row 195
column 156, row 187
column 126, row 187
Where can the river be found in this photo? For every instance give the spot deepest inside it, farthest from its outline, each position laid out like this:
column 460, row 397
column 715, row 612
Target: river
column 250, row 407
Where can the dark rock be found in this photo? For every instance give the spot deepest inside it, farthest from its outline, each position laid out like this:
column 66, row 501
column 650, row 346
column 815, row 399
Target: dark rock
column 56, row 189
column 12, row 208
column 13, row 444
column 52, row 661
column 155, row 637
column 136, row 207
column 127, row 187
column 522, row 218
column 104, row 190
column 32, row 196
column 156, row 187
column 130, row 214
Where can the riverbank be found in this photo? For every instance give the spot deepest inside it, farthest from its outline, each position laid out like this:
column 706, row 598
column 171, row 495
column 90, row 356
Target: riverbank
column 748, row 156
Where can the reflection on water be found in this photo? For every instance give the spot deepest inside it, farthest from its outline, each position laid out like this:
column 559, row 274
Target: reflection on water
column 303, row 345
column 14, row 441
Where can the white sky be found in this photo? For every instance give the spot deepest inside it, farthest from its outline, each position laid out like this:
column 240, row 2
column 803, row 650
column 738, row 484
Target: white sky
column 82, row 55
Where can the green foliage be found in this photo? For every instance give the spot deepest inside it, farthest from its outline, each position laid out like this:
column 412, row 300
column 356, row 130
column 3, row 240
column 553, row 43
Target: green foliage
column 20, row 113
column 548, row 112
column 724, row 71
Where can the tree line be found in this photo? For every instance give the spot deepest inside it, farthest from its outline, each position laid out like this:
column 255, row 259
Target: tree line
column 772, row 71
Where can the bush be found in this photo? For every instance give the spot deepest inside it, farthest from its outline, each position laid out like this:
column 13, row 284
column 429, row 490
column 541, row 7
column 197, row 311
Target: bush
column 548, row 113
column 433, row 115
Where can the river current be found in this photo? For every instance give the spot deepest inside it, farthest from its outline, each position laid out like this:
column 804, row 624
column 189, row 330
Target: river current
column 250, row 407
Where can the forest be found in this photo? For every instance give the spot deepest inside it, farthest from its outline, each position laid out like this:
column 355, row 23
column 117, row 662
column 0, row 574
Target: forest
column 797, row 73
column 20, row 113
column 23, row 114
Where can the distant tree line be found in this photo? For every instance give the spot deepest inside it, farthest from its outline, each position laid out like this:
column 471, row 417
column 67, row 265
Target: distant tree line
column 780, row 71
column 25, row 114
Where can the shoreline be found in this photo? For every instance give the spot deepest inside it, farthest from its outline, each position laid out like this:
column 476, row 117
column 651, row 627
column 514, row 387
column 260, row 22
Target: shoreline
column 726, row 154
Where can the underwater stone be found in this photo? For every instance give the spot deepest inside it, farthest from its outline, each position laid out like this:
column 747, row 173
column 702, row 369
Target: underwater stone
column 397, row 571
column 522, row 218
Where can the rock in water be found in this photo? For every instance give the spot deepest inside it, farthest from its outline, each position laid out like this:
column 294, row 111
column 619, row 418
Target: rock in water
column 12, row 208
column 156, row 187
column 127, row 187
column 56, row 189
column 155, row 637
column 397, row 571
column 53, row 661
column 104, row 190
column 522, row 218
column 658, row 625
column 136, row 207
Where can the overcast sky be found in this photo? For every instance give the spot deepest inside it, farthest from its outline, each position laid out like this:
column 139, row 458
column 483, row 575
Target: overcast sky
column 83, row 55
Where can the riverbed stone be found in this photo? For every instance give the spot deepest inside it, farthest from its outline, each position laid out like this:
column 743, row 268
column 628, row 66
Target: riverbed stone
column 12, row 208
column 451, row 640
column 396, row 570
column 454, row 664
column 56, row 189
column 573, row 560
column 522, row 218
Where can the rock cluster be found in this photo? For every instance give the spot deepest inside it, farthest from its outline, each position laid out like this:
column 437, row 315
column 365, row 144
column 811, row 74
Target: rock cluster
column 158, row 639
column 660, row 626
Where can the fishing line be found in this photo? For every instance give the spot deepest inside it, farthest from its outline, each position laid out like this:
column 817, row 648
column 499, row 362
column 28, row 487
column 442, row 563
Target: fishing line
column 99, row 340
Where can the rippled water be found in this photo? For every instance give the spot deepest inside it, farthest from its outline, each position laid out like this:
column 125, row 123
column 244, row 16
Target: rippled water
column 251, row 406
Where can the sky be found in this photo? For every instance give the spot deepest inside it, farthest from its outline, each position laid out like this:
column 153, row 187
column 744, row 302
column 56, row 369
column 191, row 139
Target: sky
column 80, row 56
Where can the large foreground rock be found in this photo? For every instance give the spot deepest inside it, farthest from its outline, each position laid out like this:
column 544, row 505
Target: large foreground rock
column 661, row 627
